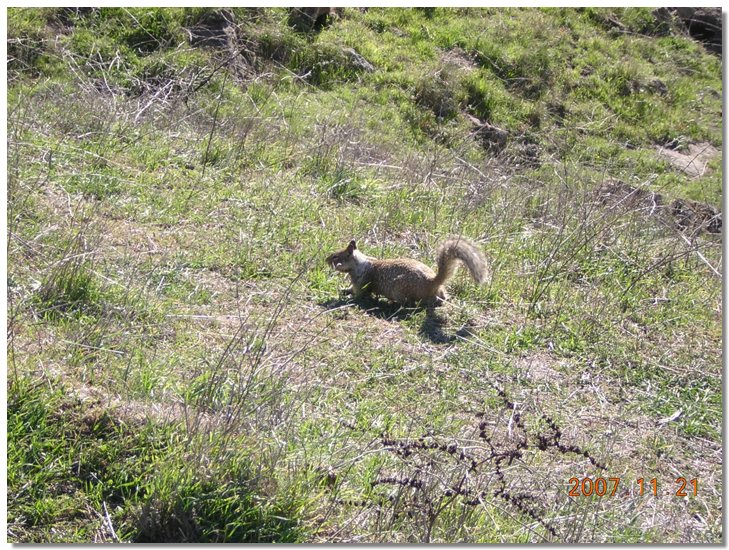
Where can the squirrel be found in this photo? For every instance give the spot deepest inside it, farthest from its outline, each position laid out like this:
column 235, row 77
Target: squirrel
column 408, row 281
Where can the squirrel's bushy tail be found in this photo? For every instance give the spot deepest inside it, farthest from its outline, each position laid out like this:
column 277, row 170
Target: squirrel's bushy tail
column 460, row 249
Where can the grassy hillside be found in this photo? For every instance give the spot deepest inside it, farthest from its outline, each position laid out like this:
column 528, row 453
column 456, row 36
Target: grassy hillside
column 182, row 365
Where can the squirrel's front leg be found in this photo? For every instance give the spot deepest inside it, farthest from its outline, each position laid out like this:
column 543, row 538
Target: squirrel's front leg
column 358, row 290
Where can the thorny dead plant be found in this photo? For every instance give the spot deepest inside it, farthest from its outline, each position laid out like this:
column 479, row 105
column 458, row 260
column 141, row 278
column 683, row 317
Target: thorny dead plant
column 431, row 475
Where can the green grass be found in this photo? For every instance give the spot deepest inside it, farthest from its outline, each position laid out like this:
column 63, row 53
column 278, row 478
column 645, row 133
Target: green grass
column 73, row 465
column 182, row 366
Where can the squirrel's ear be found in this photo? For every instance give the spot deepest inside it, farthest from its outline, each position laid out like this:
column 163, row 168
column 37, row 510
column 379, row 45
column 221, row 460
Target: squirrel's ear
column 352, row 246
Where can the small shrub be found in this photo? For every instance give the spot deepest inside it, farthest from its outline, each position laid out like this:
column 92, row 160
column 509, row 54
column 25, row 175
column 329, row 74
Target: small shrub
column 439, row 94
column 143, row 29
column 28, row 42
column 527, row 70
column 479, row 98
column 346, row 185
column 325, row 65
column 70, row 288
column 278, row 45
column 97, row 186
column 222, row 506
column 154, row 491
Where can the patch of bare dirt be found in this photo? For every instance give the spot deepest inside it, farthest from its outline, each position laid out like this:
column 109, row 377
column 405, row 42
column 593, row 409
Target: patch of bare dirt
column 128, row 410
column 597, row 416
column 694, row 161
column 460, row 59
column 540, row 368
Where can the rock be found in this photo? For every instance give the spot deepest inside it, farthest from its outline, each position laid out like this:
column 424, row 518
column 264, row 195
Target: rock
column 664, row 20
column 687, row 215
column 696, row 216
column 703, row 24
column 615, row 193
column 492, row 137
column 357, row 61
column 558, row 111
column 657, row 86
column 67, row 15
column 212, row 28
column 311, row 19
column 531, row 154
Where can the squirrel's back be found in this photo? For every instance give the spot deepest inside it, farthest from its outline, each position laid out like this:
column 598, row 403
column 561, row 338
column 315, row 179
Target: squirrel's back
column 404, row 280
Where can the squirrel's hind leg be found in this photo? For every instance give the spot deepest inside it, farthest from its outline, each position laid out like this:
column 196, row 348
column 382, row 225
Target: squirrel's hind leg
column 440, row 297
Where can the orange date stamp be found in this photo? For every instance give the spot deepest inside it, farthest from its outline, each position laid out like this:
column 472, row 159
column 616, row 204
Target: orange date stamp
column 601, row 487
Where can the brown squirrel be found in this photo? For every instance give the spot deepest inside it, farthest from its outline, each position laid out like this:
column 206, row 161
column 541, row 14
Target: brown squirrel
column 408, row 281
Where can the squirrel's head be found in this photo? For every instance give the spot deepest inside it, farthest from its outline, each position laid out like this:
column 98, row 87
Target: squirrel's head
column 343, row 260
